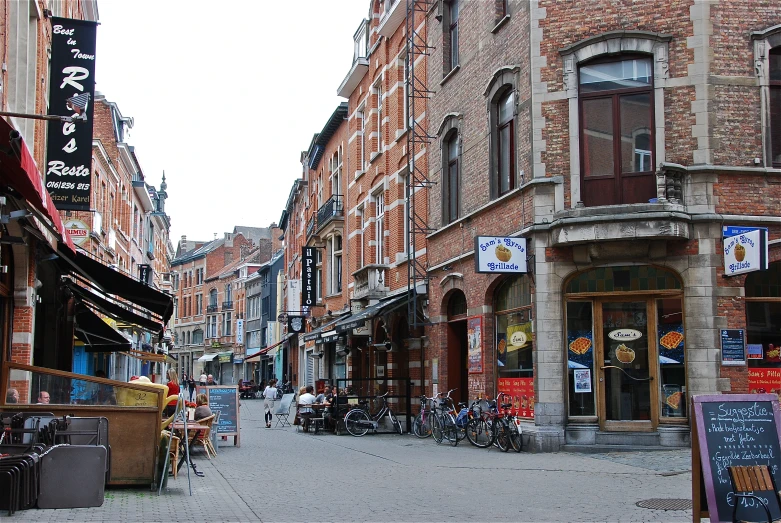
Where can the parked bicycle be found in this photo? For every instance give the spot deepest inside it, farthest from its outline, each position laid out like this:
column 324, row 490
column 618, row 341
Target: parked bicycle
column 512, row 425
column 487, row 427
column 445, row 424
column 422, row 424
column 359, row 421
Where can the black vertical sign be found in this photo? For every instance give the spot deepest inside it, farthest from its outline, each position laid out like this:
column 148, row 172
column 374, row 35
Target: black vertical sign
column 309, row 261
column 69, row 149
column 144, row 274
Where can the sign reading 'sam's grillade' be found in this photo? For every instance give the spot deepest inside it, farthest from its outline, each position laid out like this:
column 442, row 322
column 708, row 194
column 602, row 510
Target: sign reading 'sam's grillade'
column 69, row 147
column 498, row 254
column 745, row 252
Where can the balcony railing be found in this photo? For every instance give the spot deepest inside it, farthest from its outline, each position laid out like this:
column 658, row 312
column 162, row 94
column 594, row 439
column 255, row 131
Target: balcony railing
column 370, row 282
column 331, row 209
column 211, row 308
column 226, row 305
column 310, row 225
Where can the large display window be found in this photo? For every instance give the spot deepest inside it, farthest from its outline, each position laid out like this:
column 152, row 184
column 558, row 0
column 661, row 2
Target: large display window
column 763, row 330
column 515, row 343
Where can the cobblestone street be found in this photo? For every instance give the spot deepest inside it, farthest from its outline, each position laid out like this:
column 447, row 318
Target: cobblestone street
column 283, row 475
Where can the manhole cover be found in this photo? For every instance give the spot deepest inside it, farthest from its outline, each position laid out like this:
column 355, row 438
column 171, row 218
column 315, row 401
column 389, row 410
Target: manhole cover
column 665, row 504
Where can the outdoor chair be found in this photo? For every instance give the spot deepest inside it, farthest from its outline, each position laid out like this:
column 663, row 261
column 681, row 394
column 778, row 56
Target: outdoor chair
column 282, row 410
column 746, row 480
column 213, row 433
column 204, row 437
column 174, row 454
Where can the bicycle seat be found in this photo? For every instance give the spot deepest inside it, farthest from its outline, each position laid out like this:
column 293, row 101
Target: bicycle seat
column 507, row 405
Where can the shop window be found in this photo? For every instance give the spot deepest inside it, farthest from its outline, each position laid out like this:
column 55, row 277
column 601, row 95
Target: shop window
column 763, row 330
column 775, row 106
column 632, row 278
column 514, row 343
column 672, row 369
column 580, row 358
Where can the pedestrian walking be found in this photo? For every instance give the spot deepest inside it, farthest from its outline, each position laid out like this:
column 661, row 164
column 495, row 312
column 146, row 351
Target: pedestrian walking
column 191, row 386
column 202, row 379
column 269, row 395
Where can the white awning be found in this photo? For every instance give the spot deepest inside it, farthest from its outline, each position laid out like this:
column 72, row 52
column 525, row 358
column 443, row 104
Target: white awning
column 207, row 357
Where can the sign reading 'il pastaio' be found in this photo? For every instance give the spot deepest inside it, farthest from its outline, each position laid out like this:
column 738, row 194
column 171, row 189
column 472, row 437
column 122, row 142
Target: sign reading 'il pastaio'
column 69, row 148
column 309, row 283
column 494, row 254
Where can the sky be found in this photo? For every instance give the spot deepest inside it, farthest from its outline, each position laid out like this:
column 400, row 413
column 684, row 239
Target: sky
column 224, row 97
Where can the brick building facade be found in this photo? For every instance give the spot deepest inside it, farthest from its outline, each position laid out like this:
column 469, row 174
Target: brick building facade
column 632, row 142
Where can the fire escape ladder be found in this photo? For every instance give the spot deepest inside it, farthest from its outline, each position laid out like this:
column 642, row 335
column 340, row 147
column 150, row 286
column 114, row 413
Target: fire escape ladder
column 417, row 180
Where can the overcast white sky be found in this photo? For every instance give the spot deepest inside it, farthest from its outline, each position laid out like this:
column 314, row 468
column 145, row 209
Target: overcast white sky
column 225, row 95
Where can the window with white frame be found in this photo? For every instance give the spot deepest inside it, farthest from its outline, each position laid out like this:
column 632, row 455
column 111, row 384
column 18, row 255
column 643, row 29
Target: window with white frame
column 211, row 327
column 361, row 42
column 379, row 227
column 227, row 327
column 334, row 247
column 361, row 218
column 199, row 304
column 408, row 194
column 319, row 275
column 361, row 117
column 228, row 293
column 378, row 103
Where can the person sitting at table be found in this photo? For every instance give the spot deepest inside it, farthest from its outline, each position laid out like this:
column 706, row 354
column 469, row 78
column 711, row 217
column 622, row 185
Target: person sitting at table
column 43, row 398
column 173, row 390
column 329, row 400
column 202, row 409
column 12, row 396
column 305, row 412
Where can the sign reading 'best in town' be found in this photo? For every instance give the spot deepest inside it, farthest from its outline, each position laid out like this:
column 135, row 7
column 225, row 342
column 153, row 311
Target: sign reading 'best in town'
column 69, row 148
column 494, row 254
column 746, row 252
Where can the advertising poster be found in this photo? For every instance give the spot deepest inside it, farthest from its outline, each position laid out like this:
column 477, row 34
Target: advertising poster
column 761, row 381
column 521, row 392
column 501, row 349
column 474, row 337
column 582, row 380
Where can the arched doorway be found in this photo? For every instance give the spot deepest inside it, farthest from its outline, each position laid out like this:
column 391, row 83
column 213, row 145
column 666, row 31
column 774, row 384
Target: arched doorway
column 625, row 348
column 457, row 347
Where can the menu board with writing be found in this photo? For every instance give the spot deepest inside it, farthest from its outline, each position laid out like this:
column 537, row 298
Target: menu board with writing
column 520, row 392
column 733, row 347
column 735, row 429
column 226, row 400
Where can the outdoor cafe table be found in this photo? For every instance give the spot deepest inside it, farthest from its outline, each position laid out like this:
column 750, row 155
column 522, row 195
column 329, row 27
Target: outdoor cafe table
column 317, row 409
column 196, row 429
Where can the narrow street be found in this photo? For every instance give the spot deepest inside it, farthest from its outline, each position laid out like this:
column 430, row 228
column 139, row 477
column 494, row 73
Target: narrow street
column 283, row 475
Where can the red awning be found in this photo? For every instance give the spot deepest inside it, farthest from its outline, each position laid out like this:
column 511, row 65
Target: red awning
column 18, row 170
column 264, row 350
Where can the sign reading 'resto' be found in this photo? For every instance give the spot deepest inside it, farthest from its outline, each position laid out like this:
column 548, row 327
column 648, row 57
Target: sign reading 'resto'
column 494, row 254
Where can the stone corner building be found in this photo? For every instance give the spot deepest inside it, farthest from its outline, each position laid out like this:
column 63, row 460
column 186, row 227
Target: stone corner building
column 618, row 147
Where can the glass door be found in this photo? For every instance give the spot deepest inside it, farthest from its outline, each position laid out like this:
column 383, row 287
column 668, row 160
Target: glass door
column 626, row 375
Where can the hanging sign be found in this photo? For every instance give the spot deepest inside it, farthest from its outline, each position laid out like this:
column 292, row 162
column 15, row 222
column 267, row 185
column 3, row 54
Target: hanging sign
column 309, row 284
column 69, row 147
column 240, row 331
column 295, row 324
column 745, row 252
column 500, row 255
column 77, row 230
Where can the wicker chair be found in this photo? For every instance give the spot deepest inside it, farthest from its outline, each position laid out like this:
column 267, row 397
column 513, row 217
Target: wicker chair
column 204, row 437
column 174, row 454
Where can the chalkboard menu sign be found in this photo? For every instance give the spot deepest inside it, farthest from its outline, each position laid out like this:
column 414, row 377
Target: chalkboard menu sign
column 733, row 429
column 733, row 347
column 225, row 398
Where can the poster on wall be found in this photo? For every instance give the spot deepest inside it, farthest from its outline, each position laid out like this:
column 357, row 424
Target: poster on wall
column 733, row 347
column 582, row 380
column 474, row 337
column 521, row 392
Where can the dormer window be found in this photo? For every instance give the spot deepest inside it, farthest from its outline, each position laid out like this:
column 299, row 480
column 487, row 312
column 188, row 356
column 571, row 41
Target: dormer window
column 361, row 49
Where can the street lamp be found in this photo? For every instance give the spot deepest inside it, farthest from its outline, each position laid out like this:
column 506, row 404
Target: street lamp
column 78, row 104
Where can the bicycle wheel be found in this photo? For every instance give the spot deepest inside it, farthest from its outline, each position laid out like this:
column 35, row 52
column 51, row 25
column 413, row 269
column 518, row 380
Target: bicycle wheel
column 357, row 422
column 437, row 430
column 479, row 433
column 395, row 422
column 451, row 431
column 515, row 436
column 501, row 435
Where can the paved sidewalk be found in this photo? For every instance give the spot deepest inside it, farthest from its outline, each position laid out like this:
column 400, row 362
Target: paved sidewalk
column 396, row 478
